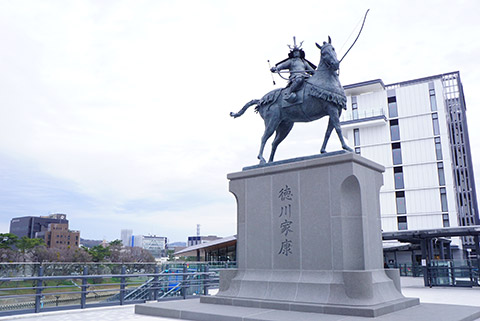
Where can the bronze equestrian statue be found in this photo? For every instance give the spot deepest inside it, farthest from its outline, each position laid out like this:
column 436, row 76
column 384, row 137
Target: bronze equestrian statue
column 321, row 95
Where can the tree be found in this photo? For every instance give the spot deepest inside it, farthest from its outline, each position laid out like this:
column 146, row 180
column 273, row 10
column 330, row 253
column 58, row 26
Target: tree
column 8, row 240
column 134, row 254
column 80, row 255
column 44, row 254
column 99, row 253
column 26, row 243
column 116, row 243
column 9, row 255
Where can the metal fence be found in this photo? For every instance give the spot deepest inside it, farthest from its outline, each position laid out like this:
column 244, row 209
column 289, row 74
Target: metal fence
column 131, row 284
column 464, row 273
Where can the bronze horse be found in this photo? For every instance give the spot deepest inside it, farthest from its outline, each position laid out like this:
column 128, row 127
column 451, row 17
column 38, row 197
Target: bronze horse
column 322, row 95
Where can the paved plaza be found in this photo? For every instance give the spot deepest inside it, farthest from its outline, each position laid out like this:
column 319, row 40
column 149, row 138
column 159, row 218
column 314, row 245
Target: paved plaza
column 411, row 287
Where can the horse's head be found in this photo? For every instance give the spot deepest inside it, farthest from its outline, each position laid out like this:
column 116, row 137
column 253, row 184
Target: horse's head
column 328, row 55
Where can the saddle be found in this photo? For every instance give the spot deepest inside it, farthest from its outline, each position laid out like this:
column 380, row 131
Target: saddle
column 279, row 95
column 298, row 99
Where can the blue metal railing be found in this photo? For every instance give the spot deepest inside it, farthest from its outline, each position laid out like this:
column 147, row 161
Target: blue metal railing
column 28, row 294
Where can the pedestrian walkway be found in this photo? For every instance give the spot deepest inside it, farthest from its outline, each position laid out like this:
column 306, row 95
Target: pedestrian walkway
column 411, row 287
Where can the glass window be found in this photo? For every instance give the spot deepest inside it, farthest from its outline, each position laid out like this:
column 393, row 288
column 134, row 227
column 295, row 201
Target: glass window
column 394, row 130
column 357, row 150
column 438, row 148
column 356, row 136
column 396, row 154
column 402, row 222
column 392, row 107
column 436, row 128
column 441, row 174
column 433, row 100
column 398, row 174
column 443, row 199
column 354, row 108
column 400, row 198
column 446, row 221
column 354, row 111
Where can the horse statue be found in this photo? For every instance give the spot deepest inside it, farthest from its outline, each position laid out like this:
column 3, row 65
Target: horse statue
column 321, row 95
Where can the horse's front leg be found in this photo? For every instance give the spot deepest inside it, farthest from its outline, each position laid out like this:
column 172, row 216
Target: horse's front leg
column 327, row 136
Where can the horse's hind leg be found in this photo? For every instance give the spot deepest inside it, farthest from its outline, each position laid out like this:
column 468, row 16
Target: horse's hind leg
column 270, row 127
column 282, row 131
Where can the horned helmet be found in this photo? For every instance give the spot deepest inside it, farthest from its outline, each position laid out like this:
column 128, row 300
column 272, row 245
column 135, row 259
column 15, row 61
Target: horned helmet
column 296, row 49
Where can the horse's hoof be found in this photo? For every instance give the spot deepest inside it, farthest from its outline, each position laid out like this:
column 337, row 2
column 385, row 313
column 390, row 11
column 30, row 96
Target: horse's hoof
column 348, row 149
column 323, row 151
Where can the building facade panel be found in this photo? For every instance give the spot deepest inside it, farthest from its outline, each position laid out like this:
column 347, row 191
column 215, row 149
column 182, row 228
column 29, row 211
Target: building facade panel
column 421, row 176
column 415, row 127
column 418, row 151
column 389, row 223
column 381, row 153
column 413, row 100
column 387, row 203
column 422, row 222
column 423, row 202
column 388, row 179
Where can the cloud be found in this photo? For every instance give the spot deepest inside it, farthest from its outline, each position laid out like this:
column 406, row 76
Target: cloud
column 116, row 112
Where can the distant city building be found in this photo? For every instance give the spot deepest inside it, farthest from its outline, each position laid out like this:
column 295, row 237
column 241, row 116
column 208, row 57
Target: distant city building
column 59, row 236
column 53, row 229
column 194, row 240
column 126, row 237
column 156, row 245
column 418, row 130
column 137, row 240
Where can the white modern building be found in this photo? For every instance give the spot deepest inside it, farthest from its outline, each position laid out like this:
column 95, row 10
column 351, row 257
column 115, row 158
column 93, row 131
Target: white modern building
column 156, row 245
column 418, row 130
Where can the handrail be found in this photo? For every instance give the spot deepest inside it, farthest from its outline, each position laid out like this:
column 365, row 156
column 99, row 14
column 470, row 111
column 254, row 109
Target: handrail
column 130, row 288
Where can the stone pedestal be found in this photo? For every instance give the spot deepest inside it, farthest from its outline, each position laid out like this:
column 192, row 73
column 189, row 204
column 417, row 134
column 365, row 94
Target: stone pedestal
column 309, row 239
column 309, row 248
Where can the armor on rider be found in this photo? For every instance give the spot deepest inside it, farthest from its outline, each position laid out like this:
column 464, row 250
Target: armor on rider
column 300, row 69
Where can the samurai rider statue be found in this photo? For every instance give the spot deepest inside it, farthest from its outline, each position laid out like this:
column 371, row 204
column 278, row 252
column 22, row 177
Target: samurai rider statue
column 299, row 67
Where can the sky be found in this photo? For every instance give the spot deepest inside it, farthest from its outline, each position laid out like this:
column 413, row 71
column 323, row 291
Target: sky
column 116, row 113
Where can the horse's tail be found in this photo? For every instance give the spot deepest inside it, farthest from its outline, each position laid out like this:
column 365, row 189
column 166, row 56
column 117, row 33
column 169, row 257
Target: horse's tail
column 240, row 113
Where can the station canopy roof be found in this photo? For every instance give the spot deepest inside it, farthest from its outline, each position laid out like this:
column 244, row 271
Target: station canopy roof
column 415, row 236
